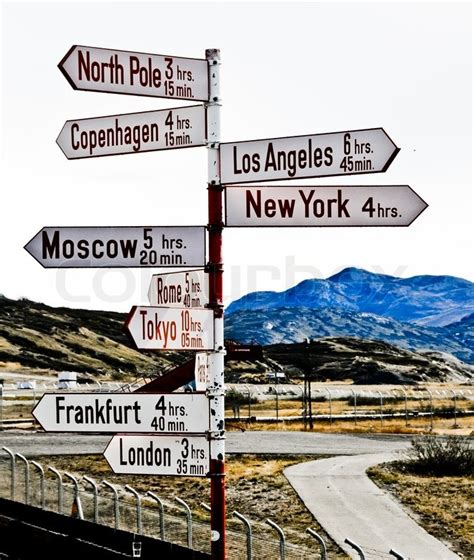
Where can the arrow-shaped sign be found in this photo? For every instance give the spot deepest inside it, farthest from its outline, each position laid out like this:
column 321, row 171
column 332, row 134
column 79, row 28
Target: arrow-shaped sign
column 159, row 455
column 318, row 155
column 132, row 73
column 119, row 247
column 180, row 289
column 163, row 328
column 132, row 133
column 394, row 205
column 116, row 412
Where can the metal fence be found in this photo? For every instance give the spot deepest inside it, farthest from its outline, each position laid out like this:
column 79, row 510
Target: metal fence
column 39, row 485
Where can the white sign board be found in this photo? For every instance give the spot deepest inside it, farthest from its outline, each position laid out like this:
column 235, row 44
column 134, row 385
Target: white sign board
column 132, row 73
column 201, row 371
column 159, row 455
column 180, row 289
column 164, row 328
column 318, row 155
column 396, row 205
column 119, row 247
column 123, row 412
column 133, row 133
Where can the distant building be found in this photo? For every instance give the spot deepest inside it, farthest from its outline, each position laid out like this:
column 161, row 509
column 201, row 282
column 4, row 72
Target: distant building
column 67, row 380
column 276, row 376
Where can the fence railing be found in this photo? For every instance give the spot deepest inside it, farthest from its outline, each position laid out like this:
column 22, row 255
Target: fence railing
column 141, row 513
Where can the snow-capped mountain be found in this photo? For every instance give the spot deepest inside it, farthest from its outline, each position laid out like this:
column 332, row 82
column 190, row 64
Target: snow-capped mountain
column 423, row 312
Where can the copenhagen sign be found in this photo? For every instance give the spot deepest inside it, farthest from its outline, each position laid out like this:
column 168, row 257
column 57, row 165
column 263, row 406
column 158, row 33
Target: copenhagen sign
column 132, row 133
column 115, row 412
column 318, row 155
column 164, row 328
column 133, row 73
column 118, row 247
column 159, row 455
column 394, row 205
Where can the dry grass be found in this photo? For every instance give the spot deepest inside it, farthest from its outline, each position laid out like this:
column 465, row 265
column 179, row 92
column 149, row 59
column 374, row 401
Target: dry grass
column 444, row 506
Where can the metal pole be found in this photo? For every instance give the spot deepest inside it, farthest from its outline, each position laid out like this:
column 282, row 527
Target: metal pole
column 159, row 501
column 354, row 396
column 281, row 534
column 76, row 499
column 330, row 404
column 311, row 425
column 356, row 547
column 13, row 469
column 321, row 542
column 41, row 471
column 60, row 488
column 189, row 520
column 455, row 408
column 139, row 508
column 248, row 529
column 216, row 389
column 397, row 554
column 431, row 408
column 27, row 476
column 276, row 395
column 249, row 403
column 406, row 405
column 116, row 502
column 1, row 404
column 96, row 497
column 381, row 407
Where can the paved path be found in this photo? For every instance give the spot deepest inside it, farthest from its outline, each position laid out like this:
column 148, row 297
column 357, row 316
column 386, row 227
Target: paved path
column 349, row 505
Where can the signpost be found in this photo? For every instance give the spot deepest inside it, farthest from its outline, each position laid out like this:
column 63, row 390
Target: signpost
column 133, row 133
column 180, row 289
column 133, row 73
column 201, row 371
column 119, row 247
column 395, row 205
column 164, row 328
column 318, row 155
column 117, row 412
column 159, row 455
column 187, row 310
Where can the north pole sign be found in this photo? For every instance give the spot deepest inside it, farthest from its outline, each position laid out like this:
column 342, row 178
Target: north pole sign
column 119, row 247
column 328, row 206
column 318, row 155
column 135, row 73
column 180, row 289
column 133, row 133
column 159, row 455
column 115, row 412
column 163, row 328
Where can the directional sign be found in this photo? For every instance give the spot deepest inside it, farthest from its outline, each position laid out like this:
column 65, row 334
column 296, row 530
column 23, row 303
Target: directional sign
column 394, row 205
column 119, row 247
column 201, row 371
column 116, row 412
column 163, row 328
column 133, row 133
column 132, row 73
column 159, row 455
column 318, row 155
column 180, row 289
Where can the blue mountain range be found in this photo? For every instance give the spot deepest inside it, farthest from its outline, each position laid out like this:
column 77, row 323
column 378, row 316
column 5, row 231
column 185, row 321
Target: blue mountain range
column 419, row 313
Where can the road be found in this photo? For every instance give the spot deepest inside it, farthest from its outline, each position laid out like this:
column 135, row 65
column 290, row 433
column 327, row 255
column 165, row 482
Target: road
column 33, row 444
column 348, row 504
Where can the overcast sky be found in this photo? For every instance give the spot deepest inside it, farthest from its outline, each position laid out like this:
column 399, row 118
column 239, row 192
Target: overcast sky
column 287, row 69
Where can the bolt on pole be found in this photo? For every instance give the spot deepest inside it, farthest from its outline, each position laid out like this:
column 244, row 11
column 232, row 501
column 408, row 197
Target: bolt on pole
column 215, row 389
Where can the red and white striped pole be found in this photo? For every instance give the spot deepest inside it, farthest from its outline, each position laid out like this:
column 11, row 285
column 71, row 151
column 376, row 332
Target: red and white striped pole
column 215, row 387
